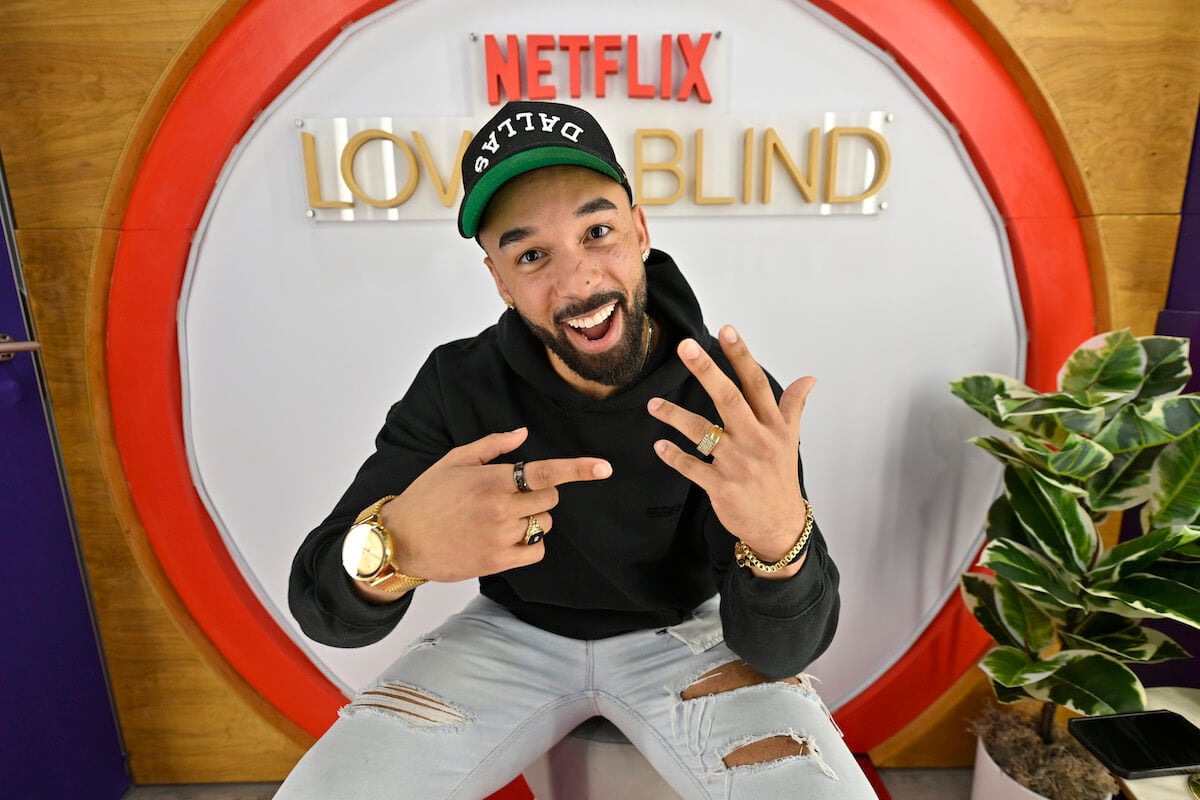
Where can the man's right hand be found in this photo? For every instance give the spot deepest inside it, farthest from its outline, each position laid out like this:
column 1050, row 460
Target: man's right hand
column 463, row 517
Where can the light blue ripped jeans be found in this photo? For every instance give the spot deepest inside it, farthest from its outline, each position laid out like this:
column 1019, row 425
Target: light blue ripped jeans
column 470, row 705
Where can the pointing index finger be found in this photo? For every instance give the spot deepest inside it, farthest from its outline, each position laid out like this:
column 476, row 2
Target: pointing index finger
column 556, row 471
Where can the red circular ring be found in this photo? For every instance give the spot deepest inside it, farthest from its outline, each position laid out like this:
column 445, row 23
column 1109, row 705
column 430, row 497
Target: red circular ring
column 261, row 51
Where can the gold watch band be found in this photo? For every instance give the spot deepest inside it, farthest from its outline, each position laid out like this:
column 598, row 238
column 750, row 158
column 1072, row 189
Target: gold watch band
column 394, row 582
column 373, row 509
column 745, row 557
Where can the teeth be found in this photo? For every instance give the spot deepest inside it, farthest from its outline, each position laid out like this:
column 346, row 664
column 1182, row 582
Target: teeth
column 595, row 319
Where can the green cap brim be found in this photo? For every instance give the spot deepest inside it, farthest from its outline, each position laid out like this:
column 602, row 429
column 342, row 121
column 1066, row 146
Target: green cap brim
column 518, row 164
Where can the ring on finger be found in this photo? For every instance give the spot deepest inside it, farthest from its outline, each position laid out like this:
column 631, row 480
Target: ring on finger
column 533, row 530
column 519, row 477
column 706, row 444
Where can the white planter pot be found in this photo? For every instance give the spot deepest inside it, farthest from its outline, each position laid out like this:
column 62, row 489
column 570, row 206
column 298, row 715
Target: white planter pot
column 990, row 782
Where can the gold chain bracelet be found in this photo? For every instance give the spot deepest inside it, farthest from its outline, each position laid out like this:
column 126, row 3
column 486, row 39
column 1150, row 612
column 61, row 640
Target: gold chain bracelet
column 744, row 556
column 373, row 509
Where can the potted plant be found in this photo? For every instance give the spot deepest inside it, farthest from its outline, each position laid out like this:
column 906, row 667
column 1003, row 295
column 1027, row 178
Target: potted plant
column 1065, row 611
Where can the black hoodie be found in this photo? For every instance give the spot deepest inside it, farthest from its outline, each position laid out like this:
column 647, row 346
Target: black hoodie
column 638, row 550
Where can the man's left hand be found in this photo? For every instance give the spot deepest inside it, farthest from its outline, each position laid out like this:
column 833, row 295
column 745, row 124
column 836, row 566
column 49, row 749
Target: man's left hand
column 752, row 478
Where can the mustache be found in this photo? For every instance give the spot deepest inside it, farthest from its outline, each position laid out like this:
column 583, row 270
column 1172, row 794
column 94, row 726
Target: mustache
column 590, row 304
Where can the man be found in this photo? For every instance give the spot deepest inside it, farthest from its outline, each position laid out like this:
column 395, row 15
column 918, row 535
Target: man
column 553, row 457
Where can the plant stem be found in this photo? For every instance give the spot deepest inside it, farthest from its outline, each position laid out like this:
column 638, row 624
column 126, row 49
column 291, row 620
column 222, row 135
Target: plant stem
column 1046, row 722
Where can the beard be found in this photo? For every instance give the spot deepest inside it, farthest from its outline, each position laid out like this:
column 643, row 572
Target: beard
column 622, row 362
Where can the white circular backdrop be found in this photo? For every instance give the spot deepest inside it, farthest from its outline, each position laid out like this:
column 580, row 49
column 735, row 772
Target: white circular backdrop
column 296, row 335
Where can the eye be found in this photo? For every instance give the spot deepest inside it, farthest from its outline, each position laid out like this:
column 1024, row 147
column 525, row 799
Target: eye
column 598, row 231
column 529, row 257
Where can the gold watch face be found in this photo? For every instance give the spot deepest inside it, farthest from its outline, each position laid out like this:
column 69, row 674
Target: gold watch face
column 365, row 551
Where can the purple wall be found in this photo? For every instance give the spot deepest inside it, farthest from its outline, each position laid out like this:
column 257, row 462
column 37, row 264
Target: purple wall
column 58, row 732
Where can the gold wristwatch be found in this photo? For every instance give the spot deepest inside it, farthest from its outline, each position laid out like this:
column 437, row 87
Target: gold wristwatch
column 367, row 553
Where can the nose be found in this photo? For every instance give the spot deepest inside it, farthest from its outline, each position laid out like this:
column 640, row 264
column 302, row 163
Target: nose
column 579, row 275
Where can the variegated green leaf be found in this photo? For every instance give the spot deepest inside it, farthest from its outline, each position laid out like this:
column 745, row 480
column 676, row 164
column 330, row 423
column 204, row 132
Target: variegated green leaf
column 1062, row 484
column 1007, row 694
column 1140, row 552
column 1045, row 581
column 1049, row 416
column 1137, row 427
column 1090, row 683
column 1063, row 529
column 1028, row 621
column 1112, row 363
column 980, row 392
column 1167, row 367
column 1170, row 590
column 1002, row 523
column 979, row 594
column 1160, row 647
column 1077, row 459
column 1123, row 639
column 1177, row 415
column 1186, row 573
column 1012, row 667
column 1098, row 601
column 1005, row 451
column 1124, row 483
column 1175, row 485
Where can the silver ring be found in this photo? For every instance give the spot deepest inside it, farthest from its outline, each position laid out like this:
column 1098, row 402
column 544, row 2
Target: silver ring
column 519, row 477
column 533, row 531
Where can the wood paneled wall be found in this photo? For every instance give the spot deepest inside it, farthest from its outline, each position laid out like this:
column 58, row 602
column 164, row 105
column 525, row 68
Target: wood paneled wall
column 82, row 86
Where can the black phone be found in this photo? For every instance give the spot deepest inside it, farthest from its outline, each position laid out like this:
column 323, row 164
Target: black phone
column 1140, row 744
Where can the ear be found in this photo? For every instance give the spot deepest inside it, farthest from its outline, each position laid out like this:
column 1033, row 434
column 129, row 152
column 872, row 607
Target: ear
column 643, row 233
column 500, row 287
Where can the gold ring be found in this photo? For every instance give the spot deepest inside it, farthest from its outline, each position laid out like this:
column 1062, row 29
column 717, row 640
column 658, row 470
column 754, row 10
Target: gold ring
column 710, row 440
column 533, row 531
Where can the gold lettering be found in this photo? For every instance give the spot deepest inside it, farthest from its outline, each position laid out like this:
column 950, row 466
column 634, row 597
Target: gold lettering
column 311, row 180
column 641, row 167
column 446, row 191
column 747, row 166
column 657, row 150
column 699, row 192
column 807, row 184
column 883, row 164
column 355, row 144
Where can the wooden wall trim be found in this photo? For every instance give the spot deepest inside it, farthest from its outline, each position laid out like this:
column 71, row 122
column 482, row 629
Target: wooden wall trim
column 1051, row 122
column 1038, row 100
column 161, row 96
column 116, row 203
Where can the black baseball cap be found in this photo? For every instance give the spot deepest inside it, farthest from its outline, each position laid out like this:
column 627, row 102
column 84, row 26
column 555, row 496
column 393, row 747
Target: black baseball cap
column 524, row 136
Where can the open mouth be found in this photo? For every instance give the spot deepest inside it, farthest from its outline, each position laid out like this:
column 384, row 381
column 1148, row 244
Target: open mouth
column 595, row 330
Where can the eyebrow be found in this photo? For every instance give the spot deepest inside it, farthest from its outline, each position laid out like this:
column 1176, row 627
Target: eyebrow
column 590, row 207
column 514, row 235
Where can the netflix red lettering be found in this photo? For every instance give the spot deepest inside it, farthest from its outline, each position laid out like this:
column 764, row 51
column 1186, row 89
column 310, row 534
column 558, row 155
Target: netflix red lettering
column 523, row 68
